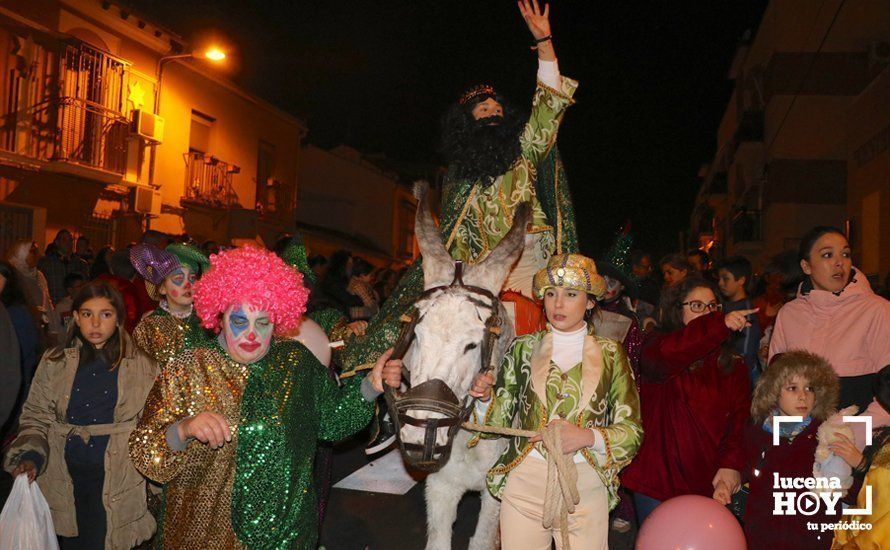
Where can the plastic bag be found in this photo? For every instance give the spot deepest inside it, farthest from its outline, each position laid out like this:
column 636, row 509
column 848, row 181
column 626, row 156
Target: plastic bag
column 26, row 522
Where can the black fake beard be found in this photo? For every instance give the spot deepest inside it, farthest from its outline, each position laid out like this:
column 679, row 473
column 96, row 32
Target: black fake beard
column 491, row 149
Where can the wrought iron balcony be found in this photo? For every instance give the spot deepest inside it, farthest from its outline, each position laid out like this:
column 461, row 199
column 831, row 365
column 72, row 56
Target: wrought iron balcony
column 70, row 130
column 65, row 104
column 208, row 181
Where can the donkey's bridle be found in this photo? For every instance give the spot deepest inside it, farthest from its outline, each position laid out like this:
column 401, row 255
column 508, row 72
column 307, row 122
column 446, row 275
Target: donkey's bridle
column 434, row 395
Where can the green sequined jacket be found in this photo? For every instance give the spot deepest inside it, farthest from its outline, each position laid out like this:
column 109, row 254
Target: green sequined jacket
column 256, row 491
column 608, row 401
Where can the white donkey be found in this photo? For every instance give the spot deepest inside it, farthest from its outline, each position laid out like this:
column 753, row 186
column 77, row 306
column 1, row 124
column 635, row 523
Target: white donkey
column 447, row 346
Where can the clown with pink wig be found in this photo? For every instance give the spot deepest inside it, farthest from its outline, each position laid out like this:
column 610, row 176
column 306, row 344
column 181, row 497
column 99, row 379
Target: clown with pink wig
column 231, row 427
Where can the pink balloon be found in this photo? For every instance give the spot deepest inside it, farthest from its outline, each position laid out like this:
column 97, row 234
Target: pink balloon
column 691, row 522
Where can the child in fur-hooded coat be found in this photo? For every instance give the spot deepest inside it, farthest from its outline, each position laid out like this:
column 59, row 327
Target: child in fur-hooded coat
column 798, row 384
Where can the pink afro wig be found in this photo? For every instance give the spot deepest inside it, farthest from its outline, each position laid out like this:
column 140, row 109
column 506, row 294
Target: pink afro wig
column 254, row 276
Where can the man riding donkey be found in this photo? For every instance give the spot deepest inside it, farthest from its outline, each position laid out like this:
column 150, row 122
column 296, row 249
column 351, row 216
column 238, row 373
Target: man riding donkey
column 497, row 160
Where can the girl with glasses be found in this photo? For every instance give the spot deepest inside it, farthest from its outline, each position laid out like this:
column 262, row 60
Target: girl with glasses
column 695, row 396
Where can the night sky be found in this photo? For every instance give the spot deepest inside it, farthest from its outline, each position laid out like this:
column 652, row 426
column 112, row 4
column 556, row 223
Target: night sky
column 378, row 75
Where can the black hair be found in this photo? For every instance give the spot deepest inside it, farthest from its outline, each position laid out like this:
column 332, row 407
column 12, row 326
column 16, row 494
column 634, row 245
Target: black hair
column 361, row 267
column 317, row 260
column 787, row 265
column 475, row 150
column 12, row 291
column 809, row 239
column 338, row 269
column 882, row 387
column 677, row 261
column 121, row 266
column 102, row 262
column 281, row 244
column 881, row 437
column 670, row 312
column 60, row 233
column 739, row 266
column 72, row 279
column 115, row 348
column 637, row 255
column 155, row 238
column 704, row 256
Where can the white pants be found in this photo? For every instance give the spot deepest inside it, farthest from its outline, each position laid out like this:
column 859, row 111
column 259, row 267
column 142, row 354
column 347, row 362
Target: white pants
column 522, row 510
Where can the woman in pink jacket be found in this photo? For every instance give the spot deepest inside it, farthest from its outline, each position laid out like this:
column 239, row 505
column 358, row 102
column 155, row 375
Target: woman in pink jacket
column 836, row 315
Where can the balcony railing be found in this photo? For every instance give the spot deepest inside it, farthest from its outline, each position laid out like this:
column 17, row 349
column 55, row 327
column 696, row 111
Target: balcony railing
column 70, row 130
column 64, row 102
column 208, row 181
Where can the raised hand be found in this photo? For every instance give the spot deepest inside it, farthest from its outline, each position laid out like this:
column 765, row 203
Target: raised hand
column 538, row 21
column 738, row 320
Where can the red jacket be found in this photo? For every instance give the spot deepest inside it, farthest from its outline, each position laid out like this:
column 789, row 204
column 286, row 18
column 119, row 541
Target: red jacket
column 693, row 413
column 131, row 298
column 789, row 459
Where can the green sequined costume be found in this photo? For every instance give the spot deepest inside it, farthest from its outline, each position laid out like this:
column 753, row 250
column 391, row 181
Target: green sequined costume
column 475, row 217
column 256, row 491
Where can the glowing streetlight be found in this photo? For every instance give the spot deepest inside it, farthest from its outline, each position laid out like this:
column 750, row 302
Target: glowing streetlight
column 215, row 54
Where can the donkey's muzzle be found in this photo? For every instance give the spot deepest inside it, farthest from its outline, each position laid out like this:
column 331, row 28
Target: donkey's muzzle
column 433, row 396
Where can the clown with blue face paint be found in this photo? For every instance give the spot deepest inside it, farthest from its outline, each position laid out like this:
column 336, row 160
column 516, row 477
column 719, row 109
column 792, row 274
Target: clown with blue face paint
column 170, row 276
column 231, row 427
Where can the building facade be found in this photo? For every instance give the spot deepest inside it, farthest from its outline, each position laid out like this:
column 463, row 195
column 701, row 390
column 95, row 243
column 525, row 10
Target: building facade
column 786, row 146
column 345, row 200
column 111, row 127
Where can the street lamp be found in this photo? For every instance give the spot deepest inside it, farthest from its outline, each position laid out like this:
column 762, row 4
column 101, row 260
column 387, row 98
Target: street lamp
column 213, row 54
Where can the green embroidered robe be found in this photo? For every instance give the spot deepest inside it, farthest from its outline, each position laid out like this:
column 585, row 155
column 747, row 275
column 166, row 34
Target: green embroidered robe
column 609, row 402
column 476, row 217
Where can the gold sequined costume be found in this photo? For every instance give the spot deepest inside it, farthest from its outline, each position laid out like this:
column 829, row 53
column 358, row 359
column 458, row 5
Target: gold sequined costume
column 257, row 490
column 162, row 335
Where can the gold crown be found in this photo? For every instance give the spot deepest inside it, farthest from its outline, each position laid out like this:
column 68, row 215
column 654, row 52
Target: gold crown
column 476, row 91
column 570, row 271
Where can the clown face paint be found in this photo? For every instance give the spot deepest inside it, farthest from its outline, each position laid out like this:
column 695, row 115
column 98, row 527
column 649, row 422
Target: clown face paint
column 247, row 333
column 613, row 289
column 177, row 289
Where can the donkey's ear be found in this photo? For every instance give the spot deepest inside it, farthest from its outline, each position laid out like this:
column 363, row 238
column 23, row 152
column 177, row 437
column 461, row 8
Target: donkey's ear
column 491, row 272
column 438, row 267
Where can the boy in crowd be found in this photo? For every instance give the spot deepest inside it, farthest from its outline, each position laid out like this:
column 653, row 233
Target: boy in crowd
column 734, row 277
column 72, row 282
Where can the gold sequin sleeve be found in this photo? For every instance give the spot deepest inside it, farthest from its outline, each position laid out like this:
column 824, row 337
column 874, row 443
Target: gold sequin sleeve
column 195, row 381
column 159, row 336
column 148, row 443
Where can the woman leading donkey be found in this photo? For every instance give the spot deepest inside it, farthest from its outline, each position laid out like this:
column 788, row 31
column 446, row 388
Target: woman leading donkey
column 564, row 376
